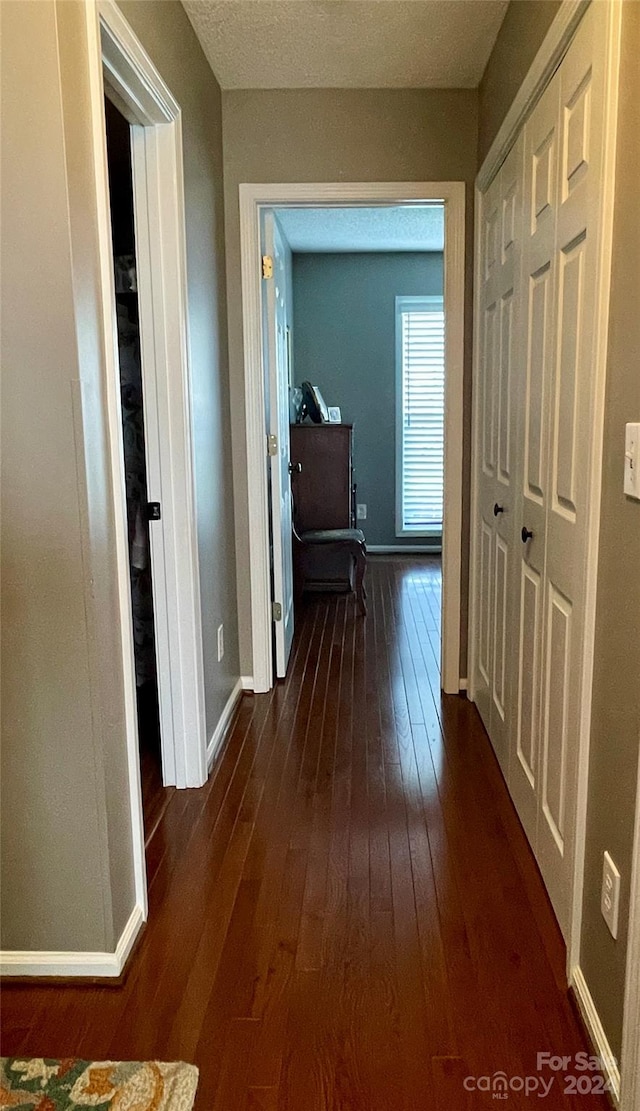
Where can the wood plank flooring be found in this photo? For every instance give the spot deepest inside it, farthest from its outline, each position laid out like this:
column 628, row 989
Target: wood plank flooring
column 347, row 916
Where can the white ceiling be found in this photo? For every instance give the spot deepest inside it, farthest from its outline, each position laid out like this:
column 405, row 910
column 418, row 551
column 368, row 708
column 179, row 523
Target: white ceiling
column 348, row 44
column 406, row 228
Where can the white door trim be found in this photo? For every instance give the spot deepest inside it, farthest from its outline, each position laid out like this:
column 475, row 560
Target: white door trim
column 253, row 197
column 543, row 67
column 132, row 81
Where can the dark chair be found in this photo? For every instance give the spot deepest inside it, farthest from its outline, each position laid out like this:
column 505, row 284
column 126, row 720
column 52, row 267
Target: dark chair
column 349, row 540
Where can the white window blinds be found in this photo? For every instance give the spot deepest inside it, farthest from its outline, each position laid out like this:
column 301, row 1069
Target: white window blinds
column 420, row 416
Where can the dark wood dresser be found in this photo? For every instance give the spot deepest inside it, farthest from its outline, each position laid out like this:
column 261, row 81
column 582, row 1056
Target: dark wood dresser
column 324, row 495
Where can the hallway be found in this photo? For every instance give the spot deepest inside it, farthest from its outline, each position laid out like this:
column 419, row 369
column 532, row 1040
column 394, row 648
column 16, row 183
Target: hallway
column 348, row 914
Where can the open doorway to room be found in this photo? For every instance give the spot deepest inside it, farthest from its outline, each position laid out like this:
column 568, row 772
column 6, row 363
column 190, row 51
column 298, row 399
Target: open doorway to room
column 139, row 511
column 366, row 330
column 355, row 301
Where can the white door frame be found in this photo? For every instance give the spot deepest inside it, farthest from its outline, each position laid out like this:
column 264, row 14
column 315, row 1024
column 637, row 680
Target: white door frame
column 253, row 198
column 121, row 69
column 543, row 67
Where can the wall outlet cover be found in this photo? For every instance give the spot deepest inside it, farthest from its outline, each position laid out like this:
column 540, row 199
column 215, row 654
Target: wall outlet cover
column 220, row 642
column 361, row 511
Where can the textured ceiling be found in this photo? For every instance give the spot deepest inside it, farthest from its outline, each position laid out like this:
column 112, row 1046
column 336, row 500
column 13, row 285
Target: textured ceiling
column 407, row 228
column 374, row 44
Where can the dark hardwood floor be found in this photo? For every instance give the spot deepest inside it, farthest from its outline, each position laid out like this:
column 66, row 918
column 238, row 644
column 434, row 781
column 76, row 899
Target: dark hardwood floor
column 347, row 916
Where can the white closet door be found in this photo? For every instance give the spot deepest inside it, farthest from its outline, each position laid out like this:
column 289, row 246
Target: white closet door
column 541, row 144
column 486, row 447
column 499, row 298
column 540, row 321
column 571, row 407
column 563, row 143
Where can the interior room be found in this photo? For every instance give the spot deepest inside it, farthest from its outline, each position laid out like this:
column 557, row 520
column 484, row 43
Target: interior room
column 367, row 331
column 320, row 543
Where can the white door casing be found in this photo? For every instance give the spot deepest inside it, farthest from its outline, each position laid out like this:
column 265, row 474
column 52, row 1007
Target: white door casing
column 135, row 86
column 253, row 199
column 276, row 371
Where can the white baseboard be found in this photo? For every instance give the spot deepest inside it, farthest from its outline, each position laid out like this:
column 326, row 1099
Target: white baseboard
column 221, row 728
column 591, row 1018
column 44, row 963
column 409, row 549
column 247, row 682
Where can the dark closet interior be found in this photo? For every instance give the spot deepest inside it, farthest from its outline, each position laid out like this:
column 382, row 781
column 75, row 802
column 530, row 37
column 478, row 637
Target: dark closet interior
column 126, row 294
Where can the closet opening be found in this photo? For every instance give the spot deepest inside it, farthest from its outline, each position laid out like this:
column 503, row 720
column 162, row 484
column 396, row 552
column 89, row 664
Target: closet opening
column 139, row 511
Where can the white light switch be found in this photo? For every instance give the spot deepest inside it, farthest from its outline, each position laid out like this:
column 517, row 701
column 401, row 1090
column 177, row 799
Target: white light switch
column 632, row 460
column 361, row 511
column 610, row 894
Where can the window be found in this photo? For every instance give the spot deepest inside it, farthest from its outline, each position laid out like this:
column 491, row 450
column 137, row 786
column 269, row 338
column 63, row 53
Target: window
column 419, row 415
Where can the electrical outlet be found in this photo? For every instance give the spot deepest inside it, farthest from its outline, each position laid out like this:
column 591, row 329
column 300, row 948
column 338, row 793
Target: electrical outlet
column 361, row 512
column 610, row 896
column 220, row 642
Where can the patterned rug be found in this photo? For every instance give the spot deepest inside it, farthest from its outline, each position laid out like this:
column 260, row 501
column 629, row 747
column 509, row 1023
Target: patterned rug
column 44, row 1084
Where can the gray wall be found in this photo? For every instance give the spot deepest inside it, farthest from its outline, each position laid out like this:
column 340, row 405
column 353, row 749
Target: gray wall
column 519, row 39
column 287, row 135
column 616, row 695
column 67, row 877
column 345, row 342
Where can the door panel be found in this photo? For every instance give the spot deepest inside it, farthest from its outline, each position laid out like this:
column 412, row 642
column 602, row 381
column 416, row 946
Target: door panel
column 554, row 750
column 532, row 390
column 571, row 418
column 500, row 604
column 529, row 676
column 496, row 520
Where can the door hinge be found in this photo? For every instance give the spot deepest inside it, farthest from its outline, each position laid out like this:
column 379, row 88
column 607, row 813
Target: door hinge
column 267, row 266
column 272, row 445
column 276, row 610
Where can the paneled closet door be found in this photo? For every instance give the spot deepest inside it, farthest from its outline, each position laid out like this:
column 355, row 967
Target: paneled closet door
column 533, row 391
column 563, row 140
column 502, row 224
column 571, row 407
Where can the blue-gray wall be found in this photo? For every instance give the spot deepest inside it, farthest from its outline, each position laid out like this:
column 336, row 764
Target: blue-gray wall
column 344, row 342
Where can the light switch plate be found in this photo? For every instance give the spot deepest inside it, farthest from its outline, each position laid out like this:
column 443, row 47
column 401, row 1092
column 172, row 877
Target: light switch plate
column 361, row 511
column 632, row 461
column 220, row 642
column 610, row 895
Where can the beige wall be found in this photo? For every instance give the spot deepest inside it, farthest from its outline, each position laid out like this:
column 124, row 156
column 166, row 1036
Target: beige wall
column 55, row 862
column 67, row 877
column 519, row 39
column 616, row 706
column 296, row 135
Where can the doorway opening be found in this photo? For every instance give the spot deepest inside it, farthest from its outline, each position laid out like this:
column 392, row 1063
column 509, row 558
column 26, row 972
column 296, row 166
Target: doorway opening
column 121, row 205
column 365, row 308
column 354, row 331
